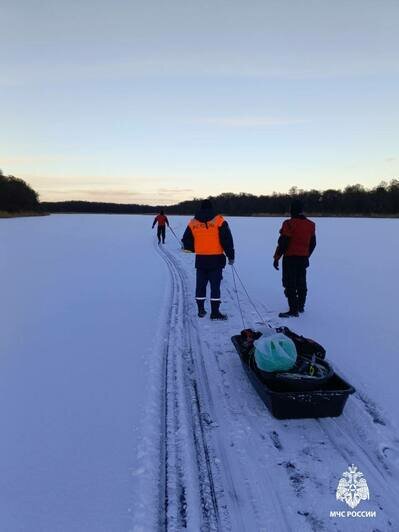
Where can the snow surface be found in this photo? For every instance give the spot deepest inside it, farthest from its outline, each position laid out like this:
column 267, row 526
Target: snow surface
column 250, row 471
column 121, row 410
column 79, row 304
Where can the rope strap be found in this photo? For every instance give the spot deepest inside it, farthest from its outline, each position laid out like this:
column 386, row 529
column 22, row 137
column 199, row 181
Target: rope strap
column 238, row 300
column 235, row 273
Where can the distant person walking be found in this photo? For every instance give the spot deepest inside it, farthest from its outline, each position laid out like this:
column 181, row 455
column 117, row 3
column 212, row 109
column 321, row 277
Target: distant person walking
column 208, row 236
column 296, row 244
column 162, row 222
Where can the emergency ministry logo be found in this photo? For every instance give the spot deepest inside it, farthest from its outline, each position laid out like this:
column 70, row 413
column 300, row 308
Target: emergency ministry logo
column 352, row 487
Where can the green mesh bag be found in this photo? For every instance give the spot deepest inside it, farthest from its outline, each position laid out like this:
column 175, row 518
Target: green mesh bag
column 275, row 352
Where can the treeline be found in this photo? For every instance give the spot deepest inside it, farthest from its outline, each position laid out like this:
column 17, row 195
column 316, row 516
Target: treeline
column 97, row 207
column 382, row 200
column 17, row 196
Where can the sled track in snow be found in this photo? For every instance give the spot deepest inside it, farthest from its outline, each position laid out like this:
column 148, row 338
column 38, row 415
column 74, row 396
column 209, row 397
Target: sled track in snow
column 205, row 484
column 190, row 488
column 227, row 464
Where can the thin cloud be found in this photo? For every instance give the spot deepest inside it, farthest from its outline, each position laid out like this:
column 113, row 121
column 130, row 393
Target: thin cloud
column 249, row 121
column 89, row 182
column 32, row 159
column 114, row 195
column 101, row 192
column 85, row 193
column 163, row 191
column 315, row 65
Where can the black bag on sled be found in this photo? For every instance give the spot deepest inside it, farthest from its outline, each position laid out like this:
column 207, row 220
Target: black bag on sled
column 304, row 346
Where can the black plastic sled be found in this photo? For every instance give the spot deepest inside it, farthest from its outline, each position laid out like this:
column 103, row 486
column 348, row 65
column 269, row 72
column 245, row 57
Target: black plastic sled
column 327, row 399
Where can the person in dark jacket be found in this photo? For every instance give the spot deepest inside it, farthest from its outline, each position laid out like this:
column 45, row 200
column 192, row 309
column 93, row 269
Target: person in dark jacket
column 296, row 244
column 209, row 237
column 162, row 221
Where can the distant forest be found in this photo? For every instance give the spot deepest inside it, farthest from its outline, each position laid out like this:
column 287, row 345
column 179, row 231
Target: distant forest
column 355, row 200
column 17, row 196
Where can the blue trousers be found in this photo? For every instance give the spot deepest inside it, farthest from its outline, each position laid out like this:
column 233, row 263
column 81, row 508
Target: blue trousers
column 214, row 277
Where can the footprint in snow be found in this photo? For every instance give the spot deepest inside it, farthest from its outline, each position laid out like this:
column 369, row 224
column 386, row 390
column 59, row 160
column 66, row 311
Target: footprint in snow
column 391, row 454
column 276, row 440
column 309, row 451
column 206, row 418
column 297, row 479
column 314, row 523
column 372, row 410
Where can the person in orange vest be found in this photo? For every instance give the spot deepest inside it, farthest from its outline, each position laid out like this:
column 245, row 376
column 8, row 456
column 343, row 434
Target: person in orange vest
column 162, row 222
column 209, row 237
column 296, row 244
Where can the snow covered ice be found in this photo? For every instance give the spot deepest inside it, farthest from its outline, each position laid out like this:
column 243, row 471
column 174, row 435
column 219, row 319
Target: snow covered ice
column 121, row 410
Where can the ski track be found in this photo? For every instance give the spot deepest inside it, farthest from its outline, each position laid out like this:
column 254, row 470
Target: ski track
column 227, row 464
column 190, row 498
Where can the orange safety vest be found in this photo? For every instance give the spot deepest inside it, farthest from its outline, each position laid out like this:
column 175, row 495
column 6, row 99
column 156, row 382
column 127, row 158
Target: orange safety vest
column 206, row 236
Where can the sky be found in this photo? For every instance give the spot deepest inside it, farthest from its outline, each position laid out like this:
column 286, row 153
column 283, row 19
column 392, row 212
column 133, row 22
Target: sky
column 157, row 102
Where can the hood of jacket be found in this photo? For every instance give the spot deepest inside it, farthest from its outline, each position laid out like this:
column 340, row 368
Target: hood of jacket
column 205, row 215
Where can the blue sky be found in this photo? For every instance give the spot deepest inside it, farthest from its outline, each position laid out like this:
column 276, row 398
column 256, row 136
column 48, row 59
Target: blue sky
column 157, row 101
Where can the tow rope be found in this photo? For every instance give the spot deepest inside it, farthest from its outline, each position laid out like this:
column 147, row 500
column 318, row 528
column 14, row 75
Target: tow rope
column 174, row 234
column 235, row 274
column 238, row 299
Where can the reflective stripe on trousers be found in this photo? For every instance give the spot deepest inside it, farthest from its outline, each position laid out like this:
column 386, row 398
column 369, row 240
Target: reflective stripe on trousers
column 214, row 277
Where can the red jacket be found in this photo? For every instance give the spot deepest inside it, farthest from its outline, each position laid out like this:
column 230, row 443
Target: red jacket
column 161, row 219
column 298, row 238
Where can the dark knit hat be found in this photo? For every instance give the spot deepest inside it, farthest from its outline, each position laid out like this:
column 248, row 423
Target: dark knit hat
column 296, row 207
column 206, row 204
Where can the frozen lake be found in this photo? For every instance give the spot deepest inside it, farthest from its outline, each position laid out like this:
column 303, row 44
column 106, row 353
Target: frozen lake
column 81, row 304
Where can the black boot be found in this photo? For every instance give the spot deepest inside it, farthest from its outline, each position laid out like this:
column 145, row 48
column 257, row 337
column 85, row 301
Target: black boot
column 215, row 314
column 289, row 314
column 201, row 308
column 301, row 299
column 292, row 303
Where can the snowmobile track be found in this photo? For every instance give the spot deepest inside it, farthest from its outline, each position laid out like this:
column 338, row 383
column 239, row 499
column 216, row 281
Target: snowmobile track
column 188, row 471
